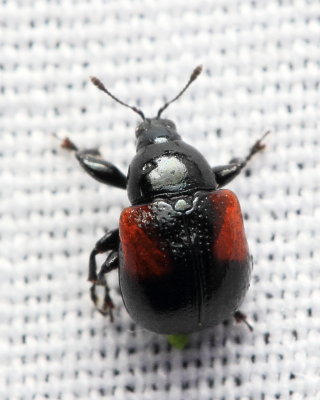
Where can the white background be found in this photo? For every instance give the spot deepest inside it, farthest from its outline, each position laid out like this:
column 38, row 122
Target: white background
column 261, row 71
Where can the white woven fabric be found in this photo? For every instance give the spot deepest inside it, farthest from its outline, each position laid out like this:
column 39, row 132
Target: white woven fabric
column 261, row 71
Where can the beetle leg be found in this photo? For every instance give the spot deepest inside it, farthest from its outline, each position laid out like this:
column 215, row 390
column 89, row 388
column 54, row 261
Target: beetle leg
column 241, row 317
column 110, row 241
column 111, row 263
column 107, row 303
column 101, row 170
column 226, row 173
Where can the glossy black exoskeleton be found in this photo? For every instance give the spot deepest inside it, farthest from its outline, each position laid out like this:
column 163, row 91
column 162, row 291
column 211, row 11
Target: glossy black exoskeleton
column 180, row 248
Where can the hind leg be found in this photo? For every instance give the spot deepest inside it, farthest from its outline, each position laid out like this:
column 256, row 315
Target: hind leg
column 241, row 317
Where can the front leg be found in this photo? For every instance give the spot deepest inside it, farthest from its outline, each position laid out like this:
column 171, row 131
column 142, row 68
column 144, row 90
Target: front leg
column 101, row 170
column 110, row 241
column 226, row 173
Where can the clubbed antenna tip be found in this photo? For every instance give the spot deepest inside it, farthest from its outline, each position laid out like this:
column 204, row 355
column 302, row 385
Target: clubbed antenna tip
column 195, row 73
column 97, row 83
column 101, row 86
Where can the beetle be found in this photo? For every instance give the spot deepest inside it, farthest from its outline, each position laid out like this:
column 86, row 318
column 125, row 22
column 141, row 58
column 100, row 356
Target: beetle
column 181, row 249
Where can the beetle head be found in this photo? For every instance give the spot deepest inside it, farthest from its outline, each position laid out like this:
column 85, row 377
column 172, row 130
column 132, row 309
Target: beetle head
column 155, row 130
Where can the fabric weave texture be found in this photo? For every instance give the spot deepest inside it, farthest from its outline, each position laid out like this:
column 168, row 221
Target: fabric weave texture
column 261, row 64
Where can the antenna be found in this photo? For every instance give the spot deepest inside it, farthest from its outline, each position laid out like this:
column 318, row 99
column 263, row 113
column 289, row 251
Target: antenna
column 196, row 72
column 101, row 87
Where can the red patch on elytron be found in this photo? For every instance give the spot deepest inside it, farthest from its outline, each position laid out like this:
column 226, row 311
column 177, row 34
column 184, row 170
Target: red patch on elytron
column 143, row 254
column 231, row 243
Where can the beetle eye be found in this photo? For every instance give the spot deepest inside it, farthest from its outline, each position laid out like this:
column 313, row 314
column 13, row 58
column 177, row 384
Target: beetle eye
column 140, row 130
column 170, row 125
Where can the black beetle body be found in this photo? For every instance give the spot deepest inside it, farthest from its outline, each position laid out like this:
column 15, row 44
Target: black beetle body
column 181, row 249
column 173, row 277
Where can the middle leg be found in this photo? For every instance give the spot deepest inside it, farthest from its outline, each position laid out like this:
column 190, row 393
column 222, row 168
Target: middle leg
column 110, row 241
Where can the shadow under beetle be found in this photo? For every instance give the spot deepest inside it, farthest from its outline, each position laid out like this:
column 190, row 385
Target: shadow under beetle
column 181, row 250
